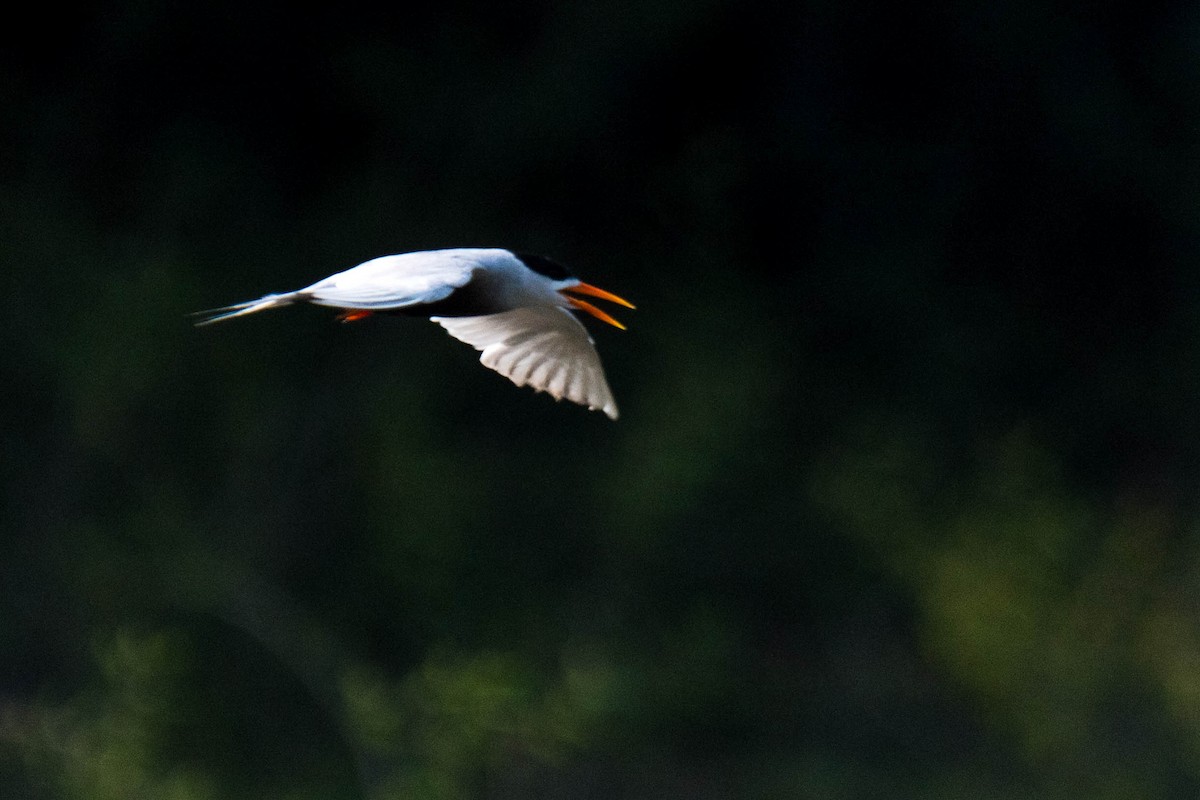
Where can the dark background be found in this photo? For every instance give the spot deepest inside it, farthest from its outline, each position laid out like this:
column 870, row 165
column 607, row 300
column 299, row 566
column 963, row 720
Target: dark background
column 901, row 502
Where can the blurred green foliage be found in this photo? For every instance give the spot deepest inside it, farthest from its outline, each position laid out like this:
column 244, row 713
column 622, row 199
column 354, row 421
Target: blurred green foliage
column 901, row 503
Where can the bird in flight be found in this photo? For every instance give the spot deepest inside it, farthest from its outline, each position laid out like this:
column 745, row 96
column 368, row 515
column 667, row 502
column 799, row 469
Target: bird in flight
column 515, row 307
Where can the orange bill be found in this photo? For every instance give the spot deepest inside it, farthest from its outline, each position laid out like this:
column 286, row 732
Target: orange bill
column 596, row 291
column 353, row 315
column 583, row 305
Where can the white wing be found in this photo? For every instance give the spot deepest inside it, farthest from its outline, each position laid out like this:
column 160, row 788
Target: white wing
column 396, row 281
column 540, row 346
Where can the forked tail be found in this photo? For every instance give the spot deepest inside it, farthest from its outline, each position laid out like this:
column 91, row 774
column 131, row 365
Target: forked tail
column 242, row 309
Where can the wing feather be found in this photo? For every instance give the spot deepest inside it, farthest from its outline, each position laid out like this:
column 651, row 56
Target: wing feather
column 543, row 347
column 391, row 282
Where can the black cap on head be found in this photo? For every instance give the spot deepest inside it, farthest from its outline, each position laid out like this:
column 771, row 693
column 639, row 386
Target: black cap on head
column 545, row 266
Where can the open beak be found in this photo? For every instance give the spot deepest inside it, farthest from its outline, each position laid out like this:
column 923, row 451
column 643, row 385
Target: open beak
column 595, row 291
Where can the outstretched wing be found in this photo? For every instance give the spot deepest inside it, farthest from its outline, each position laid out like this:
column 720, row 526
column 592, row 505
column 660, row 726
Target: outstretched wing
column 391, row 282
column 539, row 346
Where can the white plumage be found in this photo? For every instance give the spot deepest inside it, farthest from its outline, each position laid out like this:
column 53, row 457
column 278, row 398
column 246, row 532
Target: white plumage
column 539, row 346
column 513, row 307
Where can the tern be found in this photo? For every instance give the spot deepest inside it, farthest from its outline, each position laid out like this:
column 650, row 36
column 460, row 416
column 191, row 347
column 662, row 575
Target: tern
column 515, row 307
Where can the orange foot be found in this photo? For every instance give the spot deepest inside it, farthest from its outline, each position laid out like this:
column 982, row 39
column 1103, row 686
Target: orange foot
column 353, row 315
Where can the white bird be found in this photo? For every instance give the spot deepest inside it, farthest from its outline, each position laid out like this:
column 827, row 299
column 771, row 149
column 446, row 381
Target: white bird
column 512, row 306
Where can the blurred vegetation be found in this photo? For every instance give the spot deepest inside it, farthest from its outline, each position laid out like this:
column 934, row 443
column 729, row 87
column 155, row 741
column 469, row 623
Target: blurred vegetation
column 901, row 503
